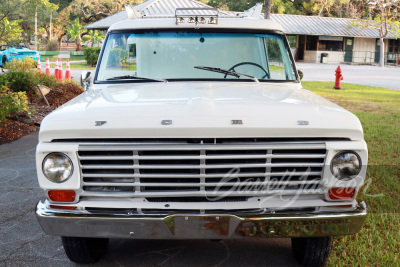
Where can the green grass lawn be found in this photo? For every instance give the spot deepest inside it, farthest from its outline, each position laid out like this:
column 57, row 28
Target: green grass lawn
column 378, row 243
column 74, row 66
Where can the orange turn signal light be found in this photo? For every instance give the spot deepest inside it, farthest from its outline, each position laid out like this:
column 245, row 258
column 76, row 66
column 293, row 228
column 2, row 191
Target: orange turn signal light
column 62, row 195
column 341, row 193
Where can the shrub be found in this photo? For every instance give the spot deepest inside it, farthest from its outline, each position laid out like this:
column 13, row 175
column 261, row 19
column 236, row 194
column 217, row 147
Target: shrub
column 46, row 80
column 52, row 45
column 22, row 77
column 11, row 103
column 118, row 56
column 25, row 65
column 91, row 55
column 20, row 81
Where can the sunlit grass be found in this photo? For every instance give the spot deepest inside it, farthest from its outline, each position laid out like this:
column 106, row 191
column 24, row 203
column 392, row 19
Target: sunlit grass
column 378, row 243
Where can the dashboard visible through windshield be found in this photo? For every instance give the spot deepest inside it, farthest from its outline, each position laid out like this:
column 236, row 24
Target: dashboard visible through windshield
column 161, row 56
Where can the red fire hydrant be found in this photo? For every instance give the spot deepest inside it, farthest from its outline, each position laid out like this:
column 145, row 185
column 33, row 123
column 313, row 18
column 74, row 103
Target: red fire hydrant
column 339, row 77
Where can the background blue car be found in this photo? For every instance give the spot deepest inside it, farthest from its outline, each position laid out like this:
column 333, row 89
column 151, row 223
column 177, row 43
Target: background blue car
column 8, row 52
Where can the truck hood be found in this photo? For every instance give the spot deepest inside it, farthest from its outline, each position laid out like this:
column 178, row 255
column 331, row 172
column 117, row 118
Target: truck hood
column 200, row 110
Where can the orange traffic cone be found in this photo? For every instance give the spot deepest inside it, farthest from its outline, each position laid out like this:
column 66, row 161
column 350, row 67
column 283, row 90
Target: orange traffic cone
column 60, row 72
column 56, row 69
column 48, row 67
column 68, row 72
column 39, row 67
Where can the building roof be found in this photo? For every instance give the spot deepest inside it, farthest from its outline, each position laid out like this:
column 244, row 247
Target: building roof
column 292, row 24
column 314, row 25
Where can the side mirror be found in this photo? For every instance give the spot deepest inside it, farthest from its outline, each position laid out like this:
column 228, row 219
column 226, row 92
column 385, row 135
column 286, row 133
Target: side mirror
column 85, row 80
column 300, row 74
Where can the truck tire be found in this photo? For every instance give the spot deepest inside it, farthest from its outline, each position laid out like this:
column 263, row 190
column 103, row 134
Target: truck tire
column 4, row 61
column 312, row 251
column 84, row 250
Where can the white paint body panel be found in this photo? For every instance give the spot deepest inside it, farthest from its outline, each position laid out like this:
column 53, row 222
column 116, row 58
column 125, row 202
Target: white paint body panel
column 200, row 110
column 224, row 23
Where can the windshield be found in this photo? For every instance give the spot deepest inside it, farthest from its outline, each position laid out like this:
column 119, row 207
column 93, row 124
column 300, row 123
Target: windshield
column 194, row 55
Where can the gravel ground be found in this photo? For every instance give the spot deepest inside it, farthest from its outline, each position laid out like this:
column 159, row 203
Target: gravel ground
column 23, row 243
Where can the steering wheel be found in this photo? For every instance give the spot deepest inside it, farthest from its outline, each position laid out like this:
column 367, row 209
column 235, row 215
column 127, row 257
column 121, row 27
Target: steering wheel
column 249, row 63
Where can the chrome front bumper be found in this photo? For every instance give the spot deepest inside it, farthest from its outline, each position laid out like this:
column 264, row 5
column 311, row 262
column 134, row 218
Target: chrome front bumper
column 140, row 226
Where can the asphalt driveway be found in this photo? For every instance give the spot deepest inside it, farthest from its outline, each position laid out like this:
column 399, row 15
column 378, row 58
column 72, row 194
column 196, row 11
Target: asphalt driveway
column 387, row 77
column 22, row 242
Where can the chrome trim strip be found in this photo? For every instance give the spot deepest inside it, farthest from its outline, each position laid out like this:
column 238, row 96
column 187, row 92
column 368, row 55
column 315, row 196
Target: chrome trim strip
column 243, row 156
column 162, row 147
column 271, row 192
column 82, row 223
column 221, row 175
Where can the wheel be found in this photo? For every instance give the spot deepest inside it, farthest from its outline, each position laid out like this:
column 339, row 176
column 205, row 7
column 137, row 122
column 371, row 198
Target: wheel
column 249, row 63
column 84, row 250
column 312, row 251
column 4, row 61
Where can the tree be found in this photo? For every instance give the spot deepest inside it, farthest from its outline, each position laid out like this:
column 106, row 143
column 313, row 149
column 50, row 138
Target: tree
column 94, row 37
column 9, row 30
column 277, row 6
column 92, row 10
column 384, row 16
column 75, row 30
column 267, row 8
column 60, row 25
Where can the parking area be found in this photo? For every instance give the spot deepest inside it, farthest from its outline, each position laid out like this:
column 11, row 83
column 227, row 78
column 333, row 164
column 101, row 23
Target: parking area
column 23, row 243
column 387, row 77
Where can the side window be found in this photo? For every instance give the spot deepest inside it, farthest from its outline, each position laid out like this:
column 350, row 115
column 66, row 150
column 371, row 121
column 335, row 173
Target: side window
column 276, row 65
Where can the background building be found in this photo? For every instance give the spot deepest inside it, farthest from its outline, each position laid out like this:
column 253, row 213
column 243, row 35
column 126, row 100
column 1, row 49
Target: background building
column 312, row 38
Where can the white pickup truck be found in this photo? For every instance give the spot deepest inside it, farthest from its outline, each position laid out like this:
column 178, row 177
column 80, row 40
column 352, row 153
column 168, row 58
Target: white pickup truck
column 197, row 127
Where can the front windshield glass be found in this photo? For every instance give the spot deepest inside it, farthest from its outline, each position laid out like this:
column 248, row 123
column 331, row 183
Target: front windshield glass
column 178, row 55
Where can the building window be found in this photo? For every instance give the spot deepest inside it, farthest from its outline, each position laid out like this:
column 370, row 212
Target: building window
column 330, row 46
column 330, row 43
column 312, row 43
column 394, row 46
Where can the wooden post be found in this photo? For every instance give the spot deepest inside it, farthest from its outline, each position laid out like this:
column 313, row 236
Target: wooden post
column 44, row 97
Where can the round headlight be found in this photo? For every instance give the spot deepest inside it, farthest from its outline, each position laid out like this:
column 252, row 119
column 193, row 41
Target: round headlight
column 346, row 165
column 57, row 167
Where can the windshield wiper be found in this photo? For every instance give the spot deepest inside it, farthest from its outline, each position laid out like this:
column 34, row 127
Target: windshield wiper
column 228, row 72
column 131, row 77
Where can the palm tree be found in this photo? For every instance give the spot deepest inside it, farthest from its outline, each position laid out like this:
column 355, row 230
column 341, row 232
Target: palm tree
column 76, row 30
column 95, row 37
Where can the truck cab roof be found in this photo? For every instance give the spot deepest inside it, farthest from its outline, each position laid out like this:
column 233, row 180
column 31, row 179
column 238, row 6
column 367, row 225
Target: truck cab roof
column 237, row 24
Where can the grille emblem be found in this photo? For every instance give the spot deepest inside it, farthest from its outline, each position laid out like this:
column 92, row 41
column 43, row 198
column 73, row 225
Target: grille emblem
column 99, row 123
column 236, row 122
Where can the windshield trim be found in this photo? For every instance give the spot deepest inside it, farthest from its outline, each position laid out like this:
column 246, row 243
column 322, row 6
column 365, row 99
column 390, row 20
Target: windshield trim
column 205, row 30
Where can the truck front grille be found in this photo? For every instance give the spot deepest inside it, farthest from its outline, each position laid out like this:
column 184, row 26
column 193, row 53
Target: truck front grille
column 196, row 173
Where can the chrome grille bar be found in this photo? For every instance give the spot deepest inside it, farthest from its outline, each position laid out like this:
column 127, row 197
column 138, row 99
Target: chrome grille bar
column 195, row 170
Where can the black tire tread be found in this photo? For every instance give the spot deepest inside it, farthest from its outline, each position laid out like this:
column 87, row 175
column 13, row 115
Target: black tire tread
column 312, row 251
column 84, row 250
